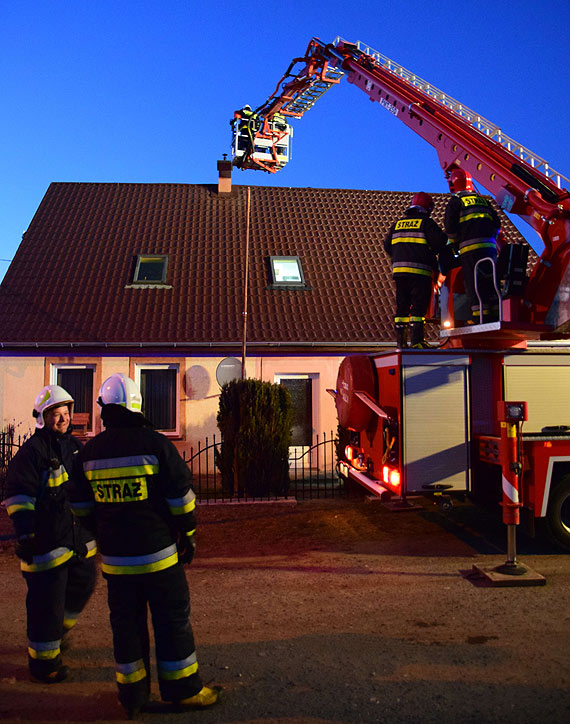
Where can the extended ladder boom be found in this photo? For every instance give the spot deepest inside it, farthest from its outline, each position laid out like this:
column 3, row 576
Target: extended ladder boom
column 522, row 182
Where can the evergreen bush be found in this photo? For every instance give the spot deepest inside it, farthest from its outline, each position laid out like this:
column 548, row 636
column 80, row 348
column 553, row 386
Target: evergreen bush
column 255, row 419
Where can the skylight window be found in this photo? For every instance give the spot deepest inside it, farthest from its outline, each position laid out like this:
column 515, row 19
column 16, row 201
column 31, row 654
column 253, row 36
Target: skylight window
column 151, row 269
column 286, row 272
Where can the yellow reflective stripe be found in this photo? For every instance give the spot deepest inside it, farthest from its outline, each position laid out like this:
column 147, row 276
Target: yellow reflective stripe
column 119, row 570
column 479, row 245
column 69, row 623
column 44, row 655
column 180, row 674
column 468, row 217
column 129, row 471
column 179, row 506
column 190, row 532
column 46, row 561
column 57, row 477
column 411, row 270
column 23, row 505
column 408, row 240
column 91, row 549
column 130, row 673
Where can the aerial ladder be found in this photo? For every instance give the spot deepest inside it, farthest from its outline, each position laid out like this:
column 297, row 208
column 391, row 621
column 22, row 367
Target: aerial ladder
column 521, row 182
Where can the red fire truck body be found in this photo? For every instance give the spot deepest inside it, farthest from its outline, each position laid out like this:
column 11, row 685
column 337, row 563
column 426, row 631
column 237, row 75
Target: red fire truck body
column 450, row 420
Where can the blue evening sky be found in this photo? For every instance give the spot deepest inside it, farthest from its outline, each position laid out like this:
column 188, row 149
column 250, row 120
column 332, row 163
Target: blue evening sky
column 143, row 90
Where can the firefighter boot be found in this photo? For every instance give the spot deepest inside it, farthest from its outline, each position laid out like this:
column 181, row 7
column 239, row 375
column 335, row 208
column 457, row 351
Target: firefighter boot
column 207, row 696
column 401, row 329
column 417, row 334
column 54, row 677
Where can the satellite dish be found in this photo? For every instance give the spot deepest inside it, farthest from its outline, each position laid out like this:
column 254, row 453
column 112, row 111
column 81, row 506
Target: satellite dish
column 229, row 369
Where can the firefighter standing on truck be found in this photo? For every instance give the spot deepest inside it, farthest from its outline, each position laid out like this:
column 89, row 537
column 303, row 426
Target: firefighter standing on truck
column 56, row 552
column 412, row 244
column 139, row 491
column 472, row 225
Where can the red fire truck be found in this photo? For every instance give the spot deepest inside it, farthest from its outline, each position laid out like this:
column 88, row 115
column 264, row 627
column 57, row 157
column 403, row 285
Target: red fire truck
column 450, row 420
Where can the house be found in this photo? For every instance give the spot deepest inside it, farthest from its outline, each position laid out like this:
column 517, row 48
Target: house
column 148, row 279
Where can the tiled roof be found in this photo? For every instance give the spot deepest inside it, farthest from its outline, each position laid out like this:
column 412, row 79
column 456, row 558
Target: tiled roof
column 70, row 281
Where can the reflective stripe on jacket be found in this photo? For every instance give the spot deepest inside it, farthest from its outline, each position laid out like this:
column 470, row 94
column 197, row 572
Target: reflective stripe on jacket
column 139, row 489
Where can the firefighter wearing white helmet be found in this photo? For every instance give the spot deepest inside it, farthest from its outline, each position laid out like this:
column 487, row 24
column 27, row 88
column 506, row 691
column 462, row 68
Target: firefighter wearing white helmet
column 121, row 390
column 143, row 506
column 49, row 397
column 56, row 552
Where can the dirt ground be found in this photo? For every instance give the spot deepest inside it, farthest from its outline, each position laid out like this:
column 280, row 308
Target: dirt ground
column 333, row 612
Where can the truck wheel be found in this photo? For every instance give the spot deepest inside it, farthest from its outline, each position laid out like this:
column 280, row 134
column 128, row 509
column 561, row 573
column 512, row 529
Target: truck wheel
column 558, row 514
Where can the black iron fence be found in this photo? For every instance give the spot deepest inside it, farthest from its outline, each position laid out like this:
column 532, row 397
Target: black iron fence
column 312, row 472
column 312, row 469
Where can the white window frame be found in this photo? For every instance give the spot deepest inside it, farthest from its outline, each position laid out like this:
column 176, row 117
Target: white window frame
column 163, row 366
column 56, row 366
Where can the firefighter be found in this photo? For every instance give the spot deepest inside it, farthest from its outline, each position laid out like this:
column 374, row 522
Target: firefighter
column 246, row 124
column 412, row 244
column 56, row 552
column 138, row 490
column 473, row 225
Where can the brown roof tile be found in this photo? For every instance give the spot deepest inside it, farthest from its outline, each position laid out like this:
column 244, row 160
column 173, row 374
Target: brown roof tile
column 70, row 279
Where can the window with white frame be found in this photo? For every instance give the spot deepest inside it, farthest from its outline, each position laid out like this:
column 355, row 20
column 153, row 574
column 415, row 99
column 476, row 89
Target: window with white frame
column 78, row 381
column 159, row 388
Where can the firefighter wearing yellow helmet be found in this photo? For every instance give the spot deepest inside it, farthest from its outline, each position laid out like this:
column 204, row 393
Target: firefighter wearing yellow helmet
column 138, row 490
column 56, row 552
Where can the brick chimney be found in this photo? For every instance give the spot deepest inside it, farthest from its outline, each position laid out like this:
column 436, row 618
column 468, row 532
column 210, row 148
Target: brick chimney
column 224, row 177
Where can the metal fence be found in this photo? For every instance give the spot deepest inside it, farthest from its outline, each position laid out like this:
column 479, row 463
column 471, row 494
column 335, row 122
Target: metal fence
column 312, row 472
column 9, row 445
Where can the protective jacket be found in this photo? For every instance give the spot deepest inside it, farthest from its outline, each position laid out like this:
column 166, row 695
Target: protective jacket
column 139, row 490
column 413, row 242
column 37, row 500
column 471, row 222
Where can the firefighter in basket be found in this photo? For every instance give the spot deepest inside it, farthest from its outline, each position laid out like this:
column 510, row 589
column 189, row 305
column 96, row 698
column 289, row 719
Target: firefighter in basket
column 473, row 226
column 412, row 244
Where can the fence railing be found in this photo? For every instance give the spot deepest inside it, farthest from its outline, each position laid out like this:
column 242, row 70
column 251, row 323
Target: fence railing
column 312, row 472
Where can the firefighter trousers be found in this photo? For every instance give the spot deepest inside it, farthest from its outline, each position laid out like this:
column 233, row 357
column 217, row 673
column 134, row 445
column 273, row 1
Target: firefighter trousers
column 485, row 283
column 166, row 594
column 54, row 600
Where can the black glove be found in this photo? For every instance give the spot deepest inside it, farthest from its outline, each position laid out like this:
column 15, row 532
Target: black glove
column 186, row 546
column 25, row 548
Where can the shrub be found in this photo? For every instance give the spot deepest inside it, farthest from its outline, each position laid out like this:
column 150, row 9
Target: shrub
column 255, row 420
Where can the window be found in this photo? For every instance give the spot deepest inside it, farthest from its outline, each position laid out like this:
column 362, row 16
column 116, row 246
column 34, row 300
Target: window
column 301, row 390
column 151, row 269
column 159, row 389
column 286, row 272
column 78, row 381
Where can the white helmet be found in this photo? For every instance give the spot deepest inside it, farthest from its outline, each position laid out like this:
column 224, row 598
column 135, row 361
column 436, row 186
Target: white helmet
column 118, row 389
column 50, row 396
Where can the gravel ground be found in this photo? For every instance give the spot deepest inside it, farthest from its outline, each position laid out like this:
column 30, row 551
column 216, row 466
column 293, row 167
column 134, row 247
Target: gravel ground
column 333, row 612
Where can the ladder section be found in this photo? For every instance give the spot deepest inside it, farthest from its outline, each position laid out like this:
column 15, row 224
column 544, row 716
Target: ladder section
column 474, row 119
column 307, row 98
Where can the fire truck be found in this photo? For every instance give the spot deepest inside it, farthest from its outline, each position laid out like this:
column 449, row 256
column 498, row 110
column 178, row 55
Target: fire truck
column 486, row 413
